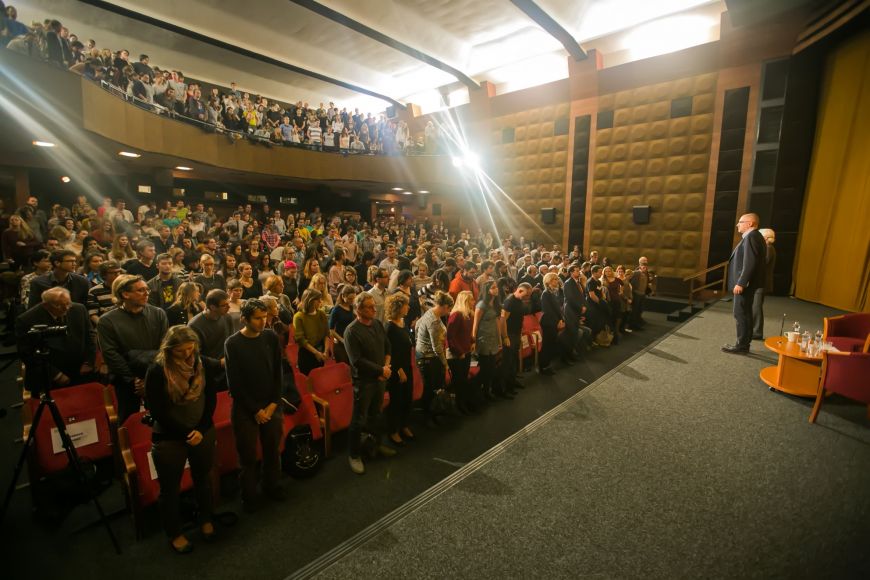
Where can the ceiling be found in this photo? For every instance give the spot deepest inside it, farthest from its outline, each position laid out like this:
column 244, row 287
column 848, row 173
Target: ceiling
column 371, row 53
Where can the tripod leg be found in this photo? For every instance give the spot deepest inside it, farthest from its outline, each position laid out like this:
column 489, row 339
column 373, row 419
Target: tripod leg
column 22, row 458
column 75, row 463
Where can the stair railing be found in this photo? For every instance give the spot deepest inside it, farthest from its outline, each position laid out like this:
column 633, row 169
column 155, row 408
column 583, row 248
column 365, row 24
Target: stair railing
column 691, row 279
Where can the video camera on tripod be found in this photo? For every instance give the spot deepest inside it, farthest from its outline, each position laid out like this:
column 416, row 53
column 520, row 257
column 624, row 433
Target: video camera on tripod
column 38, row 371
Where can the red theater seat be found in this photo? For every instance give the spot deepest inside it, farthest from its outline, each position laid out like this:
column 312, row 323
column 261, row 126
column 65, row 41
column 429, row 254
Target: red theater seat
column 332, row 391
column 84, row 409
column 140, row 476
column 844, row 373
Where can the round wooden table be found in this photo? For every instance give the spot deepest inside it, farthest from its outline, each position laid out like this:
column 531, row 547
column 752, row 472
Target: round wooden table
column 795, row 373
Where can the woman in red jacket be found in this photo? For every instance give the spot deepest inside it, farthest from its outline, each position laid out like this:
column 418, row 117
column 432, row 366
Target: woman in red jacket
column 460, row 345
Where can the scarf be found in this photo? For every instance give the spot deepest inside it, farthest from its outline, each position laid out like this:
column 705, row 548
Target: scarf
column 185, row 381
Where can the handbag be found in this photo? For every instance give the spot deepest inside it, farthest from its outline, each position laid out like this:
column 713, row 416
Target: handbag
column 604, row 337
column 443, row 402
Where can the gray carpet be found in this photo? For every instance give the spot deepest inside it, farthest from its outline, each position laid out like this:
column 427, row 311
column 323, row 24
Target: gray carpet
column 678, row 464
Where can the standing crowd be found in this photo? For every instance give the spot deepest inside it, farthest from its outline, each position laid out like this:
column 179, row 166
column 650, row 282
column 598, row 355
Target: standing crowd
column 222, row 109
column 173, row 304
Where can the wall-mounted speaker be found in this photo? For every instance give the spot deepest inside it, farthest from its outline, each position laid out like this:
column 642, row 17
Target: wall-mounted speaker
column 391, row 112
column 421, row 201
column 640, row 213
column 548, row 215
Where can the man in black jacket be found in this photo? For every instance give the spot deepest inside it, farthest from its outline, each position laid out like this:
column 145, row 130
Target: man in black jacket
column 252, row 359
column 746, row 272
column 63, row 267
column 71, row 354
column 575, row 307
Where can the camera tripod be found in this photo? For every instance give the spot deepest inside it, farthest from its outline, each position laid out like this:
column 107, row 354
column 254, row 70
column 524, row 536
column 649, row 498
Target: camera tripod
column 47, row 401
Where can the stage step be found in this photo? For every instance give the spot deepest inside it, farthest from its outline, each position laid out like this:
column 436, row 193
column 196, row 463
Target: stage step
column 688, row 311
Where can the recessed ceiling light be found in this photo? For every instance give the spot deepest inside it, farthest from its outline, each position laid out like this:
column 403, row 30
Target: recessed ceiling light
column 398, row 188
column 129, row 154
column 407, row 193
column 44, row 144
column 65, row 179
column 183, row 168
column 423, row 191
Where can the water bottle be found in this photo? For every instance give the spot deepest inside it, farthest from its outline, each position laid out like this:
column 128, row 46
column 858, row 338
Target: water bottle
column 819, row 337
column 805, row 340
column 797, row 326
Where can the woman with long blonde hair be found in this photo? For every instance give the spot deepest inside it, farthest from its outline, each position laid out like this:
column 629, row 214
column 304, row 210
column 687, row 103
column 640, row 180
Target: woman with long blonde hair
column 18, row 242
column 188, row 303
column 401, row 382
column 181, row 393
column 121, row 250
column 459, row 347
column 320, row 283
column 311, row 332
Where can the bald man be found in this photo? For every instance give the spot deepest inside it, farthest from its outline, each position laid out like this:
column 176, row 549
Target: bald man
column 746, row 273
column 72, row 353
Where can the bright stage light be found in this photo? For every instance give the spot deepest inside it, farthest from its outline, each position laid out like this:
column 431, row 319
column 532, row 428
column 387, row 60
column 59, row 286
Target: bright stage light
column 469, row 159
column 65, row 179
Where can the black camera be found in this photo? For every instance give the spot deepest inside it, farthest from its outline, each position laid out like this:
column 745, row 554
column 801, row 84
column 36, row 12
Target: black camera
column 44, row 330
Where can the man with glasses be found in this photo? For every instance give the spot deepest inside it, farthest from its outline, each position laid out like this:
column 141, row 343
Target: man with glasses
column 378, row 292
column 129, row 337
column 368, row 350
column 746, row 272
column 62, row 274
column 214, row 326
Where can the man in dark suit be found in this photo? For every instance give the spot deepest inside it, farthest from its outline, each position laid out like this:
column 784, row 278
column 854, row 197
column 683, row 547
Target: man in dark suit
column 746, row 272
column 63, row 268
column 575, row 307
column 71, row 355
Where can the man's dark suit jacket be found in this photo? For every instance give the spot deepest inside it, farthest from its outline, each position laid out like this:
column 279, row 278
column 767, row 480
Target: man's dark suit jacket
column 746, row 267
column 575, row 299
column 68, row 352
column 77, row 285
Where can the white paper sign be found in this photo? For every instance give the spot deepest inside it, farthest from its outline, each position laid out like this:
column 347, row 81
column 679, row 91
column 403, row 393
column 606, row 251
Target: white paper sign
column 82, row 434
column 153, row 470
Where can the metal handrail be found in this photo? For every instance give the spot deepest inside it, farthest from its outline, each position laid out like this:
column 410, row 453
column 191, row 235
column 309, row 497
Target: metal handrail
column 691, row 279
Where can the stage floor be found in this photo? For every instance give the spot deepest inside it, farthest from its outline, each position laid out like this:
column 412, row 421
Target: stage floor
column 678, row 463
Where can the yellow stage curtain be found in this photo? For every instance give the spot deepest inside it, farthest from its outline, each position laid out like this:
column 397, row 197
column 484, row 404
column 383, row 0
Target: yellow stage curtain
column 832, row 265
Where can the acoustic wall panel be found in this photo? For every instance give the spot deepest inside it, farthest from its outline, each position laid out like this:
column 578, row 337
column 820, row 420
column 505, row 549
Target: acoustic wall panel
column 650, row 158
column 532, row 171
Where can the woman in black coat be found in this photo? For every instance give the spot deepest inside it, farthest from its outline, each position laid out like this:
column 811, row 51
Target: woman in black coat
column 181, row 395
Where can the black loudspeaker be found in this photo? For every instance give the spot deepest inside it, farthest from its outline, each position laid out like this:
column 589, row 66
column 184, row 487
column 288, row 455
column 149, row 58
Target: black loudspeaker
column 640, row 213
column 421, row 201
column 391, row 112
column 548, row 215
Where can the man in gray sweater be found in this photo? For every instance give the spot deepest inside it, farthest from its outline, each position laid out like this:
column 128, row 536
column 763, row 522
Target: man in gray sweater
column 129, row 337
column 213, row 327
column 368, row 349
